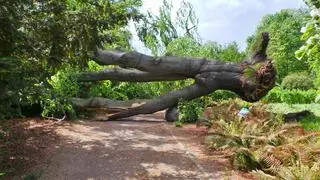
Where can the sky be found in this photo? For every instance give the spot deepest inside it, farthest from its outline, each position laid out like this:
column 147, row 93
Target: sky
column 223, row 21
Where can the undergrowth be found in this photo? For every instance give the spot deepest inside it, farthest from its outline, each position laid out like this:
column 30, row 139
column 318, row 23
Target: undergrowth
column 262, row 143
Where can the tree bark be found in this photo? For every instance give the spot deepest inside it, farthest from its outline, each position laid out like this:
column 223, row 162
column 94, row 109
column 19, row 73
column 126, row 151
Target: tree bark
column 250, row 79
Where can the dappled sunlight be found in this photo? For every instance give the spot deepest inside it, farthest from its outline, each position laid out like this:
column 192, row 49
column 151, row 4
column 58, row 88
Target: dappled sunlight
column 160, row 148
column 122, row 150
column 158, row 169
column 85, row 134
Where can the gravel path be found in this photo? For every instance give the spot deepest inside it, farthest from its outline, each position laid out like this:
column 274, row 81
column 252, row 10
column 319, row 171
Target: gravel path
column 128, row 150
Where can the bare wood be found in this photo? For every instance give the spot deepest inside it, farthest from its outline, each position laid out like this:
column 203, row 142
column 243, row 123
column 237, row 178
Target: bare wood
column 98, row 102
column 129, row 75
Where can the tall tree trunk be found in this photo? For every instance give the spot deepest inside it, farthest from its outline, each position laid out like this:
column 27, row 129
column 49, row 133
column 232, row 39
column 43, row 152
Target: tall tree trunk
column 250, row 79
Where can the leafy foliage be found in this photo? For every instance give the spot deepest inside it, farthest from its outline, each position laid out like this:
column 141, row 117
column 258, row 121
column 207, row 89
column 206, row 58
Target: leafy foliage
column 311, row 122
column 262, row 142
column 220, row 95
column 301, row 80
column 295, row 96
column 190, row 47
column 11, row 80
column 158, row 31
column 311, row 48
column 190, row 111
column 284, row 28
column 38, row 38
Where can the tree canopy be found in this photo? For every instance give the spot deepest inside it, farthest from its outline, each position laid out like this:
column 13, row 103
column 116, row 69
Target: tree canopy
column 284, row 27
column 311, row 48
column 37, row 38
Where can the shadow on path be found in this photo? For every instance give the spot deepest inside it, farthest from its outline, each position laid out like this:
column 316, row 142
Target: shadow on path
column 130, row 149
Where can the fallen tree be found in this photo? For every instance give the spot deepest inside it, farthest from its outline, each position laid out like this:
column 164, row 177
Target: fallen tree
column 250, row 79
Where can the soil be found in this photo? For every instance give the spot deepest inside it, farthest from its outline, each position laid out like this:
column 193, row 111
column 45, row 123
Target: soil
column 144, row 147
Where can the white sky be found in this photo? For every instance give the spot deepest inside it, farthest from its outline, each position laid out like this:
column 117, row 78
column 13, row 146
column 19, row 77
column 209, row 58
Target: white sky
column 225, row 21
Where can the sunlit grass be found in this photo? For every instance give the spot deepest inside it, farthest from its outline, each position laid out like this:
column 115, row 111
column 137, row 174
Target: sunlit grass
column 288, row 108
column 309, row 123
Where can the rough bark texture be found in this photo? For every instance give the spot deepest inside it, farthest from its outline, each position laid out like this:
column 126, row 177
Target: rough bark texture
column 251, row 79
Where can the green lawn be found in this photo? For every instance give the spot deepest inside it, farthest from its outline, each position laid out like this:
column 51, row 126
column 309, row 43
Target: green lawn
column 309, row 123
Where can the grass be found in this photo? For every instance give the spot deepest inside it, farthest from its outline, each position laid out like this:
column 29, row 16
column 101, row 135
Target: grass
column 309, row 123
column 289, row 108
column 178, row 123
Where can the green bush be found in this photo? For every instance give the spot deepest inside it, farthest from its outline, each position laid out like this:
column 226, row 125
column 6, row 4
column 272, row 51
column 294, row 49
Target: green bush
column 64, row 84
column 54, row 97
column 279, row 95
column 222, row 95
column 11, row 81
column 190, row 111
column 106, row 89
column 300, row 80
column 57, row 108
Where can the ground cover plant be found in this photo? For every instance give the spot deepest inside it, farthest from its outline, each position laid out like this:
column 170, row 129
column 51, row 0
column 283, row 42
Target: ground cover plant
column 262, row 143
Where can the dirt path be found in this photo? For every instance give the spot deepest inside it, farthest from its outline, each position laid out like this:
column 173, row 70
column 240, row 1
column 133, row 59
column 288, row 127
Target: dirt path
column 130, row 150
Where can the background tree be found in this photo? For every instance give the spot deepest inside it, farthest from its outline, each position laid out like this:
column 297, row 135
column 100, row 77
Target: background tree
column 40, row 37
column 310, row 51
column 188, row 46
column 156, row 32
column 284, row 28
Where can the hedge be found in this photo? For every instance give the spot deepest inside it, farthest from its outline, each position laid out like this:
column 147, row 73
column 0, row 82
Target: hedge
column 279, row 95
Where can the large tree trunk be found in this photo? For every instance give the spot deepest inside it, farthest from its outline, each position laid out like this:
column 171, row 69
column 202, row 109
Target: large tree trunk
column 251, row 79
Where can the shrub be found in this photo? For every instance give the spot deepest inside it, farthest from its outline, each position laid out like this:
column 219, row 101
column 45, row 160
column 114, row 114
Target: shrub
column 279, row 95
column 190, row 111
column 300, row 80
column 244, row 160
column 64, row 84
column 54, row 96
column 56, row 107
column 262, row 142
column 11, row 81
column 317, row 100
column 106, row 89
column 222, row 95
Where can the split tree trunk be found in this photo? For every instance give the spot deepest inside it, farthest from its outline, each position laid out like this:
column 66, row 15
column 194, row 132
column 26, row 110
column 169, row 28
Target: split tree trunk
column 251, row 79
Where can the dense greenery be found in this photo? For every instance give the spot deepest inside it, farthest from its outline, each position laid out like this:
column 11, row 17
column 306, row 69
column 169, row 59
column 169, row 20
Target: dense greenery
column 284, row 28
column 158, row 31
column 262, row 143
column 310, row 50
column 37, row 38
column 301, row 80
column 295, row 96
